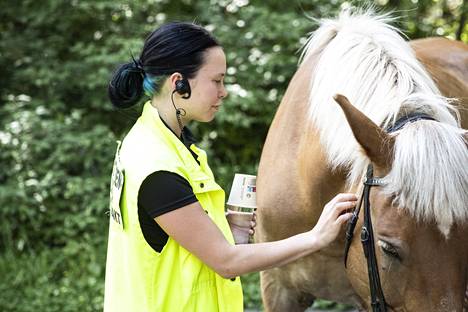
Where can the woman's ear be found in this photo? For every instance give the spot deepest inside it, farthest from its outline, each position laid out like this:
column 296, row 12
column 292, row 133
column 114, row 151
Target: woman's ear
column 173, row 79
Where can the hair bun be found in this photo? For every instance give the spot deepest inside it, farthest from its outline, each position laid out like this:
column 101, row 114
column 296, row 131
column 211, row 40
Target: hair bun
column 126, row 86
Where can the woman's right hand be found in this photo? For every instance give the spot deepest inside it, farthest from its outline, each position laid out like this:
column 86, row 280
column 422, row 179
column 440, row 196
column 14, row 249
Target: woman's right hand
column 333, row 216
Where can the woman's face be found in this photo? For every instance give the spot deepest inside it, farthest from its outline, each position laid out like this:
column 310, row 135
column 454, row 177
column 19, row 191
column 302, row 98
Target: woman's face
column 207, row 87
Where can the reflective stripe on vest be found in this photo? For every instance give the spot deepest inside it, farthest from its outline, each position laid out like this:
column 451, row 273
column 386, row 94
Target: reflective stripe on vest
column 139, row 279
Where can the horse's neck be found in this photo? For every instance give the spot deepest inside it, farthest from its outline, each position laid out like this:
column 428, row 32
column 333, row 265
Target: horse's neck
column 278, row 174
column 318, row 180
column 293, row 175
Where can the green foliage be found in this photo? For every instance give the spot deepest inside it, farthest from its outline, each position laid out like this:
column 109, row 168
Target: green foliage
column 58, row 130
column 252, row 295
column 53, row 280
column 57, row 177
column 329, row 305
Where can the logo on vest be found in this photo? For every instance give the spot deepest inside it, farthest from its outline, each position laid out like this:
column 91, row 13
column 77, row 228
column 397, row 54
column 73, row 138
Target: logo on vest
column 116, row 188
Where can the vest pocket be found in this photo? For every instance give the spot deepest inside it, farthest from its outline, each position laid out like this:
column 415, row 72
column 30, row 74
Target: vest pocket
column 203, row 183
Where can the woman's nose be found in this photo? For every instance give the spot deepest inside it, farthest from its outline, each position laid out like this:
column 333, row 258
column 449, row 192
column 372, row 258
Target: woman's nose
column 223, row 93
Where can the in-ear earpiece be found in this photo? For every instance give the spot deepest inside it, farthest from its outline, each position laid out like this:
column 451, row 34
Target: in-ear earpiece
column 182, row 87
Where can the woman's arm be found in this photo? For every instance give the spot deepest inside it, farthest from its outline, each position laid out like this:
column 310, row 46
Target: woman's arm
column 194, row 230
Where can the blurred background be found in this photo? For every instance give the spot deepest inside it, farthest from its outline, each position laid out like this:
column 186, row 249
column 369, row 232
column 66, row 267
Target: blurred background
column 58, row 130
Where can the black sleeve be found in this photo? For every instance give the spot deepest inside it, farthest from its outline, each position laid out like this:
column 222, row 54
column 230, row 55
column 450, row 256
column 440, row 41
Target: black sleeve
column 164, row 191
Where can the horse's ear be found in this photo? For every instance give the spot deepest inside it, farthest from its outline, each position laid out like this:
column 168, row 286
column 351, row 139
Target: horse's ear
column 377, row 144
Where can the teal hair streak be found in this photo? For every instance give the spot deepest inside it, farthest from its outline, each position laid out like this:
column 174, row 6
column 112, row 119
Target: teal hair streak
column 152, row 84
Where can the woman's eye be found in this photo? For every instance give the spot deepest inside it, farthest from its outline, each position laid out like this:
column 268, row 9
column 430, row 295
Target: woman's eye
column 389, row 249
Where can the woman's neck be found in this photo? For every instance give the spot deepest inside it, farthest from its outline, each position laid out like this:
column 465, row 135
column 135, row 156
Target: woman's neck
column 168, row 113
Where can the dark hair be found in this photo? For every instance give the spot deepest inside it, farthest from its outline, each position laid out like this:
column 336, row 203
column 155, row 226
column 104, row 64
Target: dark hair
column 173, row 47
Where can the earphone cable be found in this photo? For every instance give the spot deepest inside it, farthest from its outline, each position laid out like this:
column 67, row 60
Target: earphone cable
column 179, row 112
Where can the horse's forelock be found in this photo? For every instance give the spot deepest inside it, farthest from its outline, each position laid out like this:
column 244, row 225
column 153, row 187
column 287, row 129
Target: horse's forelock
column 429, row 175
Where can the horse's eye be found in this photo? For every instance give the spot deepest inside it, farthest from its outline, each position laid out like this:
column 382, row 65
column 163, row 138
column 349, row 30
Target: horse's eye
column 389, row 249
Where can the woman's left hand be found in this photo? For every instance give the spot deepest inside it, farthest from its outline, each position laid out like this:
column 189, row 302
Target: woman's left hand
column 242, row 225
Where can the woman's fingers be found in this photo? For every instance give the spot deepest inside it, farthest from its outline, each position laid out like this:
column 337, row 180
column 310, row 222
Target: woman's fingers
column 344, row 207
column 341, row 203
column 333, row 216
column 242, row 219
column 343, row 197
column 344, row 218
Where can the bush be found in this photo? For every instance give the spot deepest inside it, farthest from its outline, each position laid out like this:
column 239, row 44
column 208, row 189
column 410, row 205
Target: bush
column 53, row 280
column 54, row 179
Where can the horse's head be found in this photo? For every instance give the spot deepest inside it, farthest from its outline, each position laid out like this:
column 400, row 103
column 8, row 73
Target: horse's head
column 419, row 214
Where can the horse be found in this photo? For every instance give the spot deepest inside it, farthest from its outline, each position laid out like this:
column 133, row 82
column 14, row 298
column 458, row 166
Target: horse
column 351, row 105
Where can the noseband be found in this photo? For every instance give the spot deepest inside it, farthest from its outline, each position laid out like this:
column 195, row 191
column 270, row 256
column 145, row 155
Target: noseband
column 367, row 235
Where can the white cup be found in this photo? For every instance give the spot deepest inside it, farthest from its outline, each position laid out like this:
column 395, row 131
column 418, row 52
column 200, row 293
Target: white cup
column 242, row 202
column 243, row 195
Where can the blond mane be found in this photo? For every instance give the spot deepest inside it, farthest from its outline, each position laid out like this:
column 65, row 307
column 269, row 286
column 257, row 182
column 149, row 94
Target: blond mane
column 363, row 57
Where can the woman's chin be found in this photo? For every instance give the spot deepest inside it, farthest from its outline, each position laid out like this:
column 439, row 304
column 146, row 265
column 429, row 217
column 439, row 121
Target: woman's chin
column 207, row 118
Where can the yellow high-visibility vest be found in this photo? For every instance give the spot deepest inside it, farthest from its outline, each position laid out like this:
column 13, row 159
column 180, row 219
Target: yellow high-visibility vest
column 139, row 279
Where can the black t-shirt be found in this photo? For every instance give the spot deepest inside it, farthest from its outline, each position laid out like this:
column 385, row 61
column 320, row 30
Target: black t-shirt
column 162, row 192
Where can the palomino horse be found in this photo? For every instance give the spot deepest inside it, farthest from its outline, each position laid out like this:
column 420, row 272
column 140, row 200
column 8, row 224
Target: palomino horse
column 313, row 151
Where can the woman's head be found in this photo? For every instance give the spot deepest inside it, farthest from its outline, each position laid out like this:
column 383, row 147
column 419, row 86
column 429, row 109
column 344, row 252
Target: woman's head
column 173, row 48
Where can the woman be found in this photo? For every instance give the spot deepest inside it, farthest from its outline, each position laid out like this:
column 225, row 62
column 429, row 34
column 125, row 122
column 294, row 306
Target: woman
column 170, row 245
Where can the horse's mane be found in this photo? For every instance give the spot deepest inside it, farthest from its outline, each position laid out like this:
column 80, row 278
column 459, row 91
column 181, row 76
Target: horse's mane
column 364, row 58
